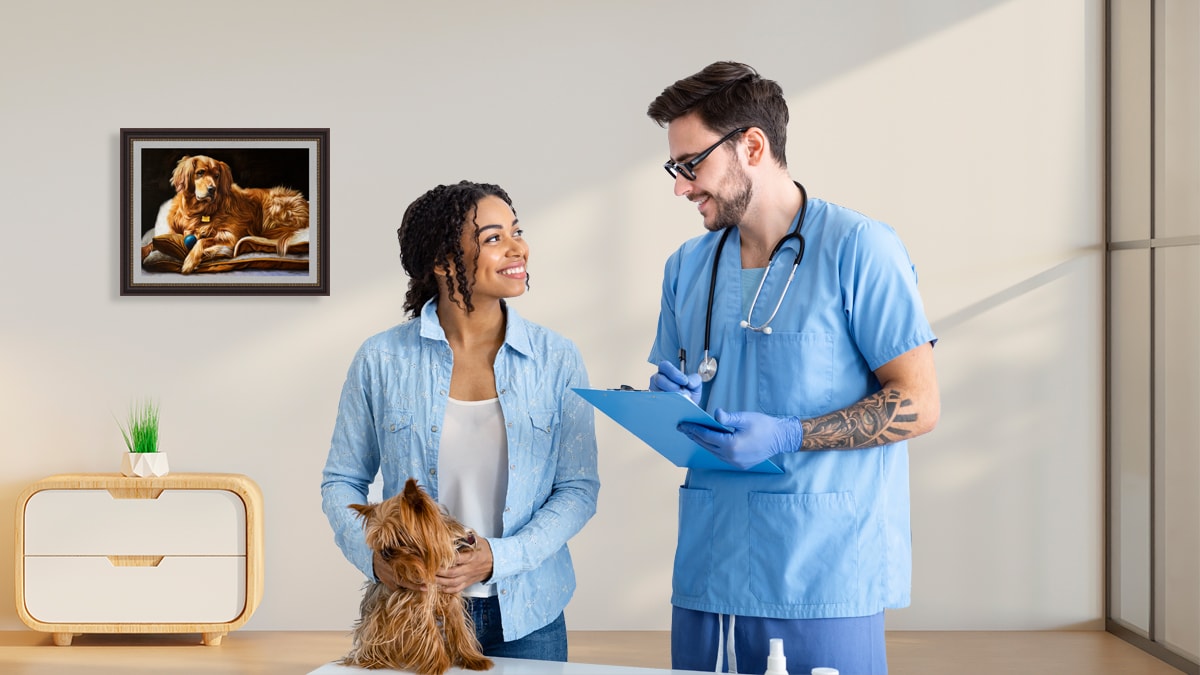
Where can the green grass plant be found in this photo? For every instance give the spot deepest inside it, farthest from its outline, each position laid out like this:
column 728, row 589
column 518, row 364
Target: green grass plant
column 141, row 433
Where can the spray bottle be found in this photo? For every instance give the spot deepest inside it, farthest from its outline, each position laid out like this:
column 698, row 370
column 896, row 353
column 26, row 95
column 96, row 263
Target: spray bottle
column 776, row 661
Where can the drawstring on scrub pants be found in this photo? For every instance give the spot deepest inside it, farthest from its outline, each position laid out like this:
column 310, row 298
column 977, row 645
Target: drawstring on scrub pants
column 721, row 646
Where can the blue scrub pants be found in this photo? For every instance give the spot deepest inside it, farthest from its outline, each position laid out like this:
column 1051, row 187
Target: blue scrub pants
column 855, row 645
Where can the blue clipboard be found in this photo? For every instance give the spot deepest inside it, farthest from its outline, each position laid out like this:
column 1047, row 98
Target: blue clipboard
column 653, row 416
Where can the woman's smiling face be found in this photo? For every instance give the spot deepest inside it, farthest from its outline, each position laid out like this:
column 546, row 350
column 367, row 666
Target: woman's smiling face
column 498, row 271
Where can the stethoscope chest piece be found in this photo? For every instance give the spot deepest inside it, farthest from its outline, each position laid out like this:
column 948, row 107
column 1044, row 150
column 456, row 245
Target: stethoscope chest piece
column 707, row 369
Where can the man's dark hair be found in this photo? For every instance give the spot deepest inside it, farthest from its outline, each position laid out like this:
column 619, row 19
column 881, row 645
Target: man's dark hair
column 727, row 95
column 430, row 234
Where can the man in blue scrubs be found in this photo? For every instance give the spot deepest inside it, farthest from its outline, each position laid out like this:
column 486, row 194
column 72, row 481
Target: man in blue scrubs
column 826, row 374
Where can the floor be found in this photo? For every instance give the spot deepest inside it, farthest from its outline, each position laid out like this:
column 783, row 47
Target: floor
column 286, row 653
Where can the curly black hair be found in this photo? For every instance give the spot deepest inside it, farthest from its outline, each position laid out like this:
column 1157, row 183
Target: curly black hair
column 430, row 234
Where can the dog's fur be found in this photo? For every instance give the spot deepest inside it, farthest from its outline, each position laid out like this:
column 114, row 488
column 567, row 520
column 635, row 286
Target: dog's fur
column 223, row 215
column 422, row 631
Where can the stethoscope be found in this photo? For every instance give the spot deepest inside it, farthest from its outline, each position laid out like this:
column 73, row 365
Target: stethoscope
column 708, row 365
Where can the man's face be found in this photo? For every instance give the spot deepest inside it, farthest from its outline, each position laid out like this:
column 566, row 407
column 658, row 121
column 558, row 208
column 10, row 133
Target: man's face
column 721, row 190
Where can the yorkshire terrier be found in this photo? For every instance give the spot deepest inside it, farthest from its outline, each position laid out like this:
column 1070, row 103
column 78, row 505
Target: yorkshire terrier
column 426, row 632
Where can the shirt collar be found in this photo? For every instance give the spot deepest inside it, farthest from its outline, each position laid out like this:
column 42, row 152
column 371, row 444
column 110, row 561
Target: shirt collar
column 516, row 330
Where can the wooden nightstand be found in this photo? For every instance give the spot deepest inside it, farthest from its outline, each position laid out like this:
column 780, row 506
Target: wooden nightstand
column 104, row 553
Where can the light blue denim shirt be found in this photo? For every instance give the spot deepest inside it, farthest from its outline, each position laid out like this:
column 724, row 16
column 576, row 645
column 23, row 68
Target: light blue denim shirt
column 829, row 537
column 389, row 421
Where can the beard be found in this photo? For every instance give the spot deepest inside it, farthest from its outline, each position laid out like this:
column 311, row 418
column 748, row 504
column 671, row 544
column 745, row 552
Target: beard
column 731, row 209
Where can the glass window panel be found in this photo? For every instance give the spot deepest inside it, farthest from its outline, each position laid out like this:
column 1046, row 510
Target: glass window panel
column 1130, row 128
column 1129, row 403
column 1154, row 322
column 1177, row 109
column 1177, row 420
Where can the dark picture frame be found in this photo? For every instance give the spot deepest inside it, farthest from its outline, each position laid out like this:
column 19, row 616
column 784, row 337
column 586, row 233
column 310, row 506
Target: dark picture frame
column 184, row 236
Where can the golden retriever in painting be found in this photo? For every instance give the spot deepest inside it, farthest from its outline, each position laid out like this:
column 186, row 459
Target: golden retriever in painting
column 223, row 215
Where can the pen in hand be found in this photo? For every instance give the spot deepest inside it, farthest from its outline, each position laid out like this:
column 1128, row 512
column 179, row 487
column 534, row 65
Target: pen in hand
column 669, row 379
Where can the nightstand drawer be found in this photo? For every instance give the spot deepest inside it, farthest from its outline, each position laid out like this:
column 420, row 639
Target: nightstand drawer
column 94, row 522
column 89, row 589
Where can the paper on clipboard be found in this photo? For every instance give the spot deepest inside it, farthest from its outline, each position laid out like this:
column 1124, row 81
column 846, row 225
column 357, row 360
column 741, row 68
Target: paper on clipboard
column 653, row 417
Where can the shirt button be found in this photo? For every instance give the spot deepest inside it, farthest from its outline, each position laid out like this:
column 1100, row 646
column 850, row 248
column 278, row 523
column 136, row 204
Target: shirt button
column 434, row 428
column 503, row 391
column 510, row 425
column 442, row 392
column 504, row 591
column 433, row 472
column 393, row 427
column 512, row 466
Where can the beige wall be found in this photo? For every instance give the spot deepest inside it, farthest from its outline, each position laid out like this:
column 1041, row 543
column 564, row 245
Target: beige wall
column 974, row 128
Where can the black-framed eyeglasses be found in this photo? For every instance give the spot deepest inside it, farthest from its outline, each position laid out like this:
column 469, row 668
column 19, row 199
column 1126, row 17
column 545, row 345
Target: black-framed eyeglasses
column 688, row 169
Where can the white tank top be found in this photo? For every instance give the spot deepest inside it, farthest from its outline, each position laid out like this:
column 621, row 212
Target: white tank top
column 473, row 470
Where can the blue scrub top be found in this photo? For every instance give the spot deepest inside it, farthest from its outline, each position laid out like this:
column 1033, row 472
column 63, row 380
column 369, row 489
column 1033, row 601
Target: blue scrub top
column 830, row 536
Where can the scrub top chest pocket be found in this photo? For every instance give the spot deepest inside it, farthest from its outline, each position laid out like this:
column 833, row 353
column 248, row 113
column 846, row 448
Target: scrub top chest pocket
column 795, row 372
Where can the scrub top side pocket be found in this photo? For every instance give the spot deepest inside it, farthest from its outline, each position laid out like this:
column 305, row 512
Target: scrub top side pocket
column 816, row 561
column 693, row 551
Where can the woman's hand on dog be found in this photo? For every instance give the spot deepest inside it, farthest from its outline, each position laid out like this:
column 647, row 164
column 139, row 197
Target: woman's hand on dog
column 473, row 566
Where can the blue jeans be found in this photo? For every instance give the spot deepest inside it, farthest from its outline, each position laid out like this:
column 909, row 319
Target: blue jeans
column 548, row 643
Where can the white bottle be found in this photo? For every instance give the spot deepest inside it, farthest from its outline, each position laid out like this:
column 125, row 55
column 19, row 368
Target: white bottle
column 824, row 671
column 776, row 661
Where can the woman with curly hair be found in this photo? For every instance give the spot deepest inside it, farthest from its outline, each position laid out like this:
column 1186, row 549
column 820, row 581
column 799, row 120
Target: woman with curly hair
column 476, row 403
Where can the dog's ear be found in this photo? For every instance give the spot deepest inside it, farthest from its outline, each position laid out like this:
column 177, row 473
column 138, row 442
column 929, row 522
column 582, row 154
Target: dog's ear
column 181, row 177
column 225, row 182
column 365, row 511
column 417, row 499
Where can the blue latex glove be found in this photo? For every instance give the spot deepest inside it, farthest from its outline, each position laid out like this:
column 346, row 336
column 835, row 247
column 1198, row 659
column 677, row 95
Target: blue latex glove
column 670, row 378
column 755, row 437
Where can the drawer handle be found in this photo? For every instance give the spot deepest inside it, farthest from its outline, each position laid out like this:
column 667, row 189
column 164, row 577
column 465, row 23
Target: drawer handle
column 135, row 493
column 135, row 560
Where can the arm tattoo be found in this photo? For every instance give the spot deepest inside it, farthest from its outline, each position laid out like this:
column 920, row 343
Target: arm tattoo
column 884, row 417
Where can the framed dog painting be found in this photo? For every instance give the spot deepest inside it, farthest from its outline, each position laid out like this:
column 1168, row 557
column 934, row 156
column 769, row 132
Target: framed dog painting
column 224, row 212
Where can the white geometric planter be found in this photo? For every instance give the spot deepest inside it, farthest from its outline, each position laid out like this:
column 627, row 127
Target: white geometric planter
column 143, row 464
